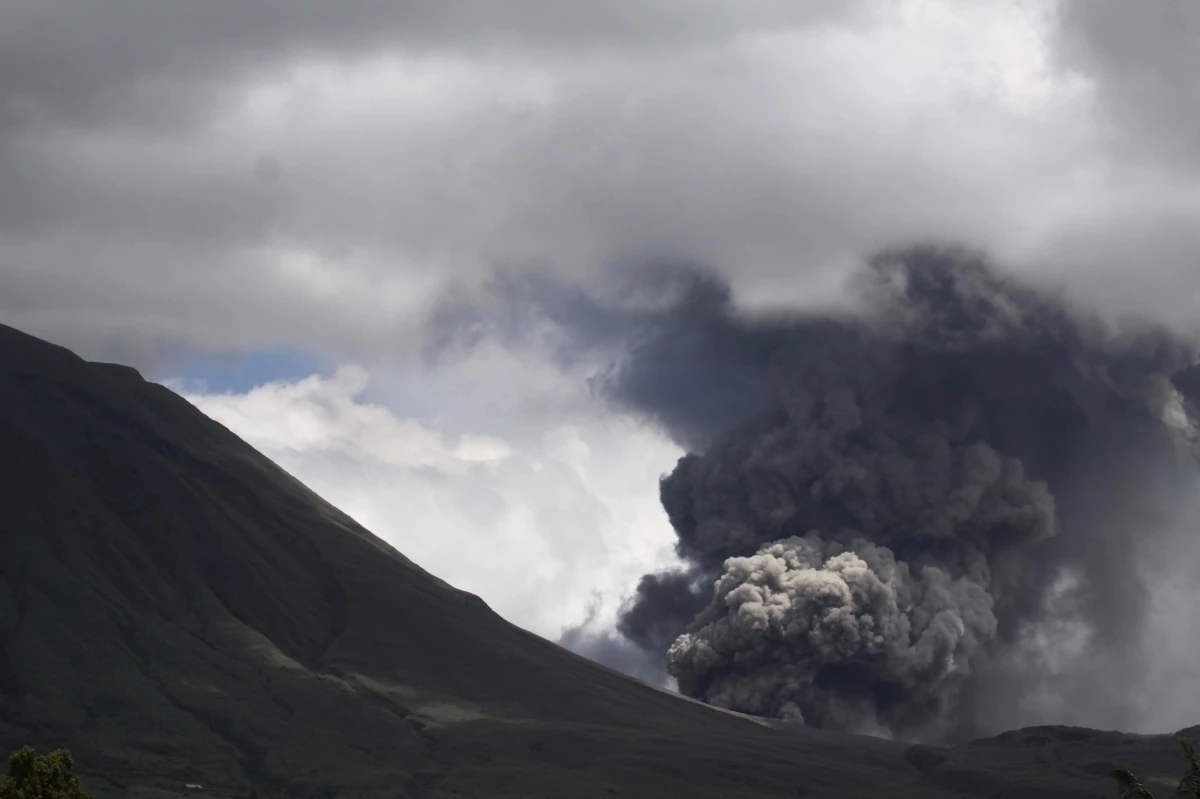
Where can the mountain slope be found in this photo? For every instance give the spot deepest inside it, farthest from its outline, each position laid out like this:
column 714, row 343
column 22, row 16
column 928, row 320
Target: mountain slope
column 177, row 609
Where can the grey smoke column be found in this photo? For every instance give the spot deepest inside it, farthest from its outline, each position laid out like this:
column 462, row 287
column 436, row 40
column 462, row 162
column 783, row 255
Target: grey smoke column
column 918, row 482
column 889, row 505
column 785, row 621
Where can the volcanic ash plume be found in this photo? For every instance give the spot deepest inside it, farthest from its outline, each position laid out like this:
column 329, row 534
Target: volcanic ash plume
column 890, row 518
column 782, row 623
column 782, row 620
column 885, row 536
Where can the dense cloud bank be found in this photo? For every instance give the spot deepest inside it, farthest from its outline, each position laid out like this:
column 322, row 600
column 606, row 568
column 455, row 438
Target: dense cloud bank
column 885, row 511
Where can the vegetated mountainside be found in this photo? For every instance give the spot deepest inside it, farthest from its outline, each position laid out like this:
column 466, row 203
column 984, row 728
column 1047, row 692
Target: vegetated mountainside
column 175, row 608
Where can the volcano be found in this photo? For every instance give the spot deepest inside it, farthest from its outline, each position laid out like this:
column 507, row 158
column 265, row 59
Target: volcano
column 178, row 611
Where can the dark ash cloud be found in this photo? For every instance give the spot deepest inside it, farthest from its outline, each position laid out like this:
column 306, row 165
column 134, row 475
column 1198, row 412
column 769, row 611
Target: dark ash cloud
column 894, row 505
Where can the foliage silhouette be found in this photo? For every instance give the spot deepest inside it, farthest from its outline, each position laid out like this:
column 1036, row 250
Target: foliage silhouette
column 1130, row 787
column 34, row 776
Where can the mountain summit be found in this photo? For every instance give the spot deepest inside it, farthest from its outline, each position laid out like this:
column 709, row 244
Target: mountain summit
column 177, row 610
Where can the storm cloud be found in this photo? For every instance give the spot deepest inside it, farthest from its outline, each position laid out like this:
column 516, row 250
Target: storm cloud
column 227, row 175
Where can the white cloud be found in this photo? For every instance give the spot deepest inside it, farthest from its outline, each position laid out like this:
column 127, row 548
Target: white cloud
column 537, row 528
column 330, row 192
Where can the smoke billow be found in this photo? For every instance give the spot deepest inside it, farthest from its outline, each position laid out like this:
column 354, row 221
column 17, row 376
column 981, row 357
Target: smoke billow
column 884, row 514
column 802, row 607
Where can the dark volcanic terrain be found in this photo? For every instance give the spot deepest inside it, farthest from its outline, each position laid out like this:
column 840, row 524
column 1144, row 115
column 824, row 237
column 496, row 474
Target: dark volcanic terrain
column 175, row 608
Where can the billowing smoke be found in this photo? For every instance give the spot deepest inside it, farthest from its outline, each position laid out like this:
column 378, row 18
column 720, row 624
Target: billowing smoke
column 885, row 513
column 801, row 608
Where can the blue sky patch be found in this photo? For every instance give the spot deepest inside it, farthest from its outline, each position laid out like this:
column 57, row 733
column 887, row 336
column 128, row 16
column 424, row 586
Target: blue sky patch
column 238, row 372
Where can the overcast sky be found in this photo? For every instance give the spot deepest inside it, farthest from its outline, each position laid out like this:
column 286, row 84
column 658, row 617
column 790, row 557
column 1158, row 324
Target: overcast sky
column 260, row 202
